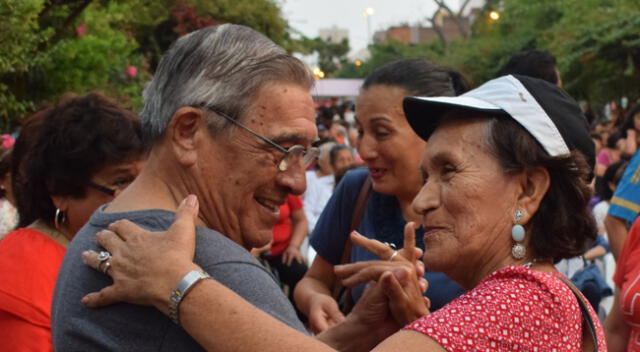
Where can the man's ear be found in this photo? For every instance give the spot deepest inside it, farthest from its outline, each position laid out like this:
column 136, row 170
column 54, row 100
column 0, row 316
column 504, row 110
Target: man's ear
column 183, row 133
column 535, row 183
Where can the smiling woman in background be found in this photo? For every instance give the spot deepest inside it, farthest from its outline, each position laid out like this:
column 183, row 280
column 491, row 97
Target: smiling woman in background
column 392, row 152
column 74, row 157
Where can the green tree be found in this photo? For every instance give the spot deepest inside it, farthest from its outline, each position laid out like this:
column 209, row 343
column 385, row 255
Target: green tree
column 596, row 42
column 331, row 56
column 51, row 47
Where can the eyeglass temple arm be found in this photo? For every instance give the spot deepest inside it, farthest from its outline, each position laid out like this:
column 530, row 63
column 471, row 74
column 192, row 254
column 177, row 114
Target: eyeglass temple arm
column 236, row 123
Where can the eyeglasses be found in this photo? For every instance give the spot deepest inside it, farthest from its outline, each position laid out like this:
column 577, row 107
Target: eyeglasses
column 103, row 189
column 292, row 155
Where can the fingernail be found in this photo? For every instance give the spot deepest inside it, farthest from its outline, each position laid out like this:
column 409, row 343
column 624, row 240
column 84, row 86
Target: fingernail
column 84, row 300
column 191, row 200
column 354, row 232
column 85, row 254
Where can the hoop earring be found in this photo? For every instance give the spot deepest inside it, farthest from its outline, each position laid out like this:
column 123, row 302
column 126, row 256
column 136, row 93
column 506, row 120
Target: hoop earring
column 518, row 251
column 58, row 219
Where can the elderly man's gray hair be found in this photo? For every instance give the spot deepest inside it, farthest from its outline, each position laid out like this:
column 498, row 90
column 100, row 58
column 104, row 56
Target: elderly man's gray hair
column 221, row 67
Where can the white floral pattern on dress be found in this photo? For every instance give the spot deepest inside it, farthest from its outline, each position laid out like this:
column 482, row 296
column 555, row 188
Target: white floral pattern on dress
column 514, row 309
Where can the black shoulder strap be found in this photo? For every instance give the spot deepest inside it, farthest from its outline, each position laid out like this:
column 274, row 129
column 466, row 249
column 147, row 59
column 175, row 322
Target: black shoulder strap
column 358, row 211
column 586, row 317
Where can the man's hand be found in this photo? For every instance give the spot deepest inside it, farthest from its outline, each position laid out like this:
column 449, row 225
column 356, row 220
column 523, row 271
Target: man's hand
column 145, row 266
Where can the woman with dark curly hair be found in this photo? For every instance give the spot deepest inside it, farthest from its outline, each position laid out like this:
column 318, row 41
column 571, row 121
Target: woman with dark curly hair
column 72, row 158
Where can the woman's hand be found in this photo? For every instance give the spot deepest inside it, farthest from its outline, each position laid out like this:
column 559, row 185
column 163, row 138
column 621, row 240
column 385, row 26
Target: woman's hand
column 292, row 253
column 324, row 313
column 361, row 272
column 401, row 279
column 145, row 266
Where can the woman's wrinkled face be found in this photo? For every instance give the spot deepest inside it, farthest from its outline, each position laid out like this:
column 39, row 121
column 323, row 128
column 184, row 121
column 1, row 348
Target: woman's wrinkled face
column 386, row 142
column 467, row 201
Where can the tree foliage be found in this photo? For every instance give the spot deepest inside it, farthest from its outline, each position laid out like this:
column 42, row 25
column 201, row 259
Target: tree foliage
column 51, row 47
column 331, row 56
column 596, row 42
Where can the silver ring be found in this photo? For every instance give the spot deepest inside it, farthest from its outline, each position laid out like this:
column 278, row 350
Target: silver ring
column 393, row 255
column 103, row 256
column 391, row 245
column 107, row 266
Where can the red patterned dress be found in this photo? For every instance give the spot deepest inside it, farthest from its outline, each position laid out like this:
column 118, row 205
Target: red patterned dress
column 514, row 309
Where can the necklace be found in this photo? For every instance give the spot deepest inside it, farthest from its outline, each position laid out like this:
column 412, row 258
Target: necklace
column 535, row 261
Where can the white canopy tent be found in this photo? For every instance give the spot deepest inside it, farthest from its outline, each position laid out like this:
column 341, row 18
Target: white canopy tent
column 337, row 87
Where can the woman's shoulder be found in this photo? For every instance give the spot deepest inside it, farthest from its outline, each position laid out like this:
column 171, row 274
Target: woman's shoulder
column 26, row 253
column 355, row 176
column 516, row 278
column 27, row 239
column 27, row 247
column 514, row 304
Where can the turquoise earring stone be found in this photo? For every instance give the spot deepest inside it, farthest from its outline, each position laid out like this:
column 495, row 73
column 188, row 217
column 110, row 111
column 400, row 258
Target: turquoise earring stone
column 517, row 232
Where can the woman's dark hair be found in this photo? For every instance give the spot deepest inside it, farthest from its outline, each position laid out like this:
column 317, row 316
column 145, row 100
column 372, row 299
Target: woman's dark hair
column 628, row 120
column 419, row 78
column 563, row 226
column 62, row 147
column 533, row 63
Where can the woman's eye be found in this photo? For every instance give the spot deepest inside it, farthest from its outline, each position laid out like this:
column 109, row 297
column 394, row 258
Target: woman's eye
column 382, row 133
column 122, row 182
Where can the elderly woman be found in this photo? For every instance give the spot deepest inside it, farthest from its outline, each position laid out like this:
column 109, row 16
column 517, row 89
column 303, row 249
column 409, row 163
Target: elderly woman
column 505, row 189
column 70, row 159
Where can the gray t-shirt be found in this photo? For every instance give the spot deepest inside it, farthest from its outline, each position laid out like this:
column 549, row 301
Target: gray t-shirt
column 128, row 327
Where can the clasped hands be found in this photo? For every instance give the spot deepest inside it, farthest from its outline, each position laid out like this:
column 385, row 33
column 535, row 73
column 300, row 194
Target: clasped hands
column 399, row 279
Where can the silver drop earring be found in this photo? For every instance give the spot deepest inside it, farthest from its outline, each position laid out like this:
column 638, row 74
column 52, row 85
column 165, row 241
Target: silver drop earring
column 518, row 251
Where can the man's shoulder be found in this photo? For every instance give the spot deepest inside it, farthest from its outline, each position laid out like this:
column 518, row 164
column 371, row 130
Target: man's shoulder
column 213, row 248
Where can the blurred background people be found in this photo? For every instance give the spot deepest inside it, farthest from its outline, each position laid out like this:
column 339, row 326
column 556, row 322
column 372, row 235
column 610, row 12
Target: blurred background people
column 284, row 255
column 631, row 131
column 320, row 184
column 72, row 158
column 8, row 211
column 341, row 158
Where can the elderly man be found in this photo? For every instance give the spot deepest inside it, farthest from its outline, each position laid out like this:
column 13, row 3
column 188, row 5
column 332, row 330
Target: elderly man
column 230, row 119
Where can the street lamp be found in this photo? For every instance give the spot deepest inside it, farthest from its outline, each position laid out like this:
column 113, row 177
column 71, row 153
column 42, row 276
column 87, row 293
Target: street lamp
column 318, row 73
column 367, row 14
column 494, row 15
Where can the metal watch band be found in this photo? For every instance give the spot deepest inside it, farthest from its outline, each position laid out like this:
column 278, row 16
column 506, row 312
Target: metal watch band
column 182, row 288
